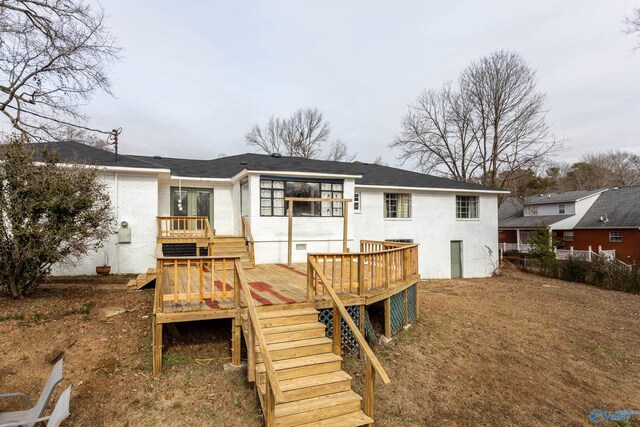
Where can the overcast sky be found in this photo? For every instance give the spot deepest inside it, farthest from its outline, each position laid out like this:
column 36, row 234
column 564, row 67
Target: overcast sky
column 197, row 75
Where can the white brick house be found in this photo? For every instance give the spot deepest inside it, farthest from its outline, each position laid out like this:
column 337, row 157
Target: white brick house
column 455, row 223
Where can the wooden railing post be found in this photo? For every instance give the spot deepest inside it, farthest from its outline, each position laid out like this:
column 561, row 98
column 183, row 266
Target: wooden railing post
column 270, row 405
column 360, row 275
column 387, row 279
column 251, row 352
column 337, row 331
column 310, row 290
column 369, row 388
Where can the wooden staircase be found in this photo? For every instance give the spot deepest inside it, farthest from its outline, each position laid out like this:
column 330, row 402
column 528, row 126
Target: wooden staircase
column 233, row 246
column 142, row 280
column 315, row 389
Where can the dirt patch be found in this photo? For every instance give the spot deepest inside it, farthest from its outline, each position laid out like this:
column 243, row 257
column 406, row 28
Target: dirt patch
column 513, row 350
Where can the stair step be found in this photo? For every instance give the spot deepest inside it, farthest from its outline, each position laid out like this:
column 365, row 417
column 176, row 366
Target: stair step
column 301, row 366
column 353, row 419
column 271, row 319
column 313, row 385
column 289, row 350
column 286, row 313
column 294, row 332
column 316, row 408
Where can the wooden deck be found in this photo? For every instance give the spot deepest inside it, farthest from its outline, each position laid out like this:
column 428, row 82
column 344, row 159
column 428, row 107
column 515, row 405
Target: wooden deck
column 191, row 292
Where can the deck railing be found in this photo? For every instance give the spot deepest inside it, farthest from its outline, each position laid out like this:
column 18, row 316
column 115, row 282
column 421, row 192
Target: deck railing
column 372, row 364
column 384, row 265
column 182, row 272
column 273, row 393
column 184, row 227
column 246, row 233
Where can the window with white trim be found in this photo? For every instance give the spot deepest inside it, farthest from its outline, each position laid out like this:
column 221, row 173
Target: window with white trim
column 274, row 191
column 467, row 207
column 568, row 236
column 356, row 202
column 615, row 236
column 397, row 205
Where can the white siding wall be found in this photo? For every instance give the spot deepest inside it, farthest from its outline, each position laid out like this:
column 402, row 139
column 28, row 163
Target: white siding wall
column 580, row 208
column 134, row 199
column 434, row 225
column 320, row 234
column 552, row 209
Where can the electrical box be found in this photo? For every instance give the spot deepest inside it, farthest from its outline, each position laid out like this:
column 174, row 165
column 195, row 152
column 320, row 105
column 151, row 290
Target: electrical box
column 124, row 233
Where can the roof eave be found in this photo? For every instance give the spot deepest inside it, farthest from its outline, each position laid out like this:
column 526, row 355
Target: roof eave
column 444, row 189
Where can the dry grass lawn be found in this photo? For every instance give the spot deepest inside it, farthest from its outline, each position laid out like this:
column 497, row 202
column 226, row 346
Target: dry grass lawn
column 513, row 350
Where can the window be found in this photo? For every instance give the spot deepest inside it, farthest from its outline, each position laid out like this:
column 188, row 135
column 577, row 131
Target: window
column 397, row 205
column 568, row 236
column 615, row 236
column 274, row 191
column 466, row 207
column 533, row 210
column 560, row 209
column 356, row 202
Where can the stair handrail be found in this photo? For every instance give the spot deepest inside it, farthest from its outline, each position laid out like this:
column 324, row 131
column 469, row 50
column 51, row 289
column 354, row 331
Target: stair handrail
column 246, row 233
column 372, row 364
column 272, row 379
column 347, row 318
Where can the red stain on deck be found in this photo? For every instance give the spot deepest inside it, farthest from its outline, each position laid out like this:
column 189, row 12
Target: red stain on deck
column 212, row 303
column 302, row 273
column 265, row 287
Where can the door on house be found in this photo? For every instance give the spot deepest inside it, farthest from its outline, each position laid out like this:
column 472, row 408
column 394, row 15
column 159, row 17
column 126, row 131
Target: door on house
column 456, row 259
column 192, row 202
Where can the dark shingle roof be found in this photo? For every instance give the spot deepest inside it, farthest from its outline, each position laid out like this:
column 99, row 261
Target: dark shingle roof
column 227, row 167
column 511, row 215
column 531, row 221
column 567, row 196
column 620, row 207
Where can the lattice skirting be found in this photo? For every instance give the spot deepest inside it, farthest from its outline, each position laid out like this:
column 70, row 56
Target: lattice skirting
column 397, row 312
column 349, row 343
column 412, row 302
column 369, row 332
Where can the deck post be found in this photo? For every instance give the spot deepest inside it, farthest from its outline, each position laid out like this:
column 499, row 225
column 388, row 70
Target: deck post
column 269, row 405
column 369, row 388
column 236, row 341
column 337, row 331
column 251, row 352
column 290, row 237
column 360, row 275
column 345, row 225
column 387, row 318
column 157, row 346
column 310, row 274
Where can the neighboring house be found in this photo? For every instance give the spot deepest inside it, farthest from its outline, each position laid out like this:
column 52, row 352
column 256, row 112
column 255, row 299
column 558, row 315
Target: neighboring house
column 455, row 223
column 612, row 223
column 559, row 212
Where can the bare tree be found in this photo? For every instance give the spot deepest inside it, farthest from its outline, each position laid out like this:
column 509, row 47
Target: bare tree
column 269, row 139
column 633, row 25
column 379, row 161
column 489, row 128
column 339, row 152
column 54, row 55
column 300, row 135
column 71, row 133
column 622, row 168
column 438, row 134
